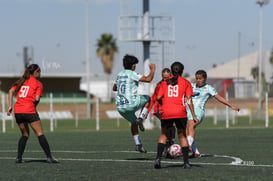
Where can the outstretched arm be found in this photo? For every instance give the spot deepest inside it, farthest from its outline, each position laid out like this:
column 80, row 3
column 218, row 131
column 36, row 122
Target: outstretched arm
column 224, row 101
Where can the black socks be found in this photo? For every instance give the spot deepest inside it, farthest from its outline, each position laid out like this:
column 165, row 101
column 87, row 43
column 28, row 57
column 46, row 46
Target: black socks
column 185, row 152
column 160, row 149
column 44, row 144
column 21, row 146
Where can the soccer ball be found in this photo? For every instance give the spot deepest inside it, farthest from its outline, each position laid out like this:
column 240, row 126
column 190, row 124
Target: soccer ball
column 175, row 150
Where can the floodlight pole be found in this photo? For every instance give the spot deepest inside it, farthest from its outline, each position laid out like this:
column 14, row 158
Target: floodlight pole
column 146, row 43
column 87, row 65
column 238, row 65
column 239, row 55
column 260, row 3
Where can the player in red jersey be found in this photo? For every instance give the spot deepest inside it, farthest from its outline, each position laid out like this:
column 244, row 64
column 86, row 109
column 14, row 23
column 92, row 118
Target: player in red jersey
column 166, row 72
column 29, row 90
column 171, row 96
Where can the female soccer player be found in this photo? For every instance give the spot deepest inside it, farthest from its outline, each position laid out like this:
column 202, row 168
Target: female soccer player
column 166, row 72
column 29, row 90
column 127, row 100
column 202, row 92
column 171, row 95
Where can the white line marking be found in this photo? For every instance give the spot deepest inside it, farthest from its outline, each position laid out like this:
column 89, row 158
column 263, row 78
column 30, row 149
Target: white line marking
column 137, row 161
column 236, row 161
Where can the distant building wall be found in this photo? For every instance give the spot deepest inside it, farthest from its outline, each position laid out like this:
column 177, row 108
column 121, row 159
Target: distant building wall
column 51, row 84
column 222, row 86
column 235, row 88
column 244, row 88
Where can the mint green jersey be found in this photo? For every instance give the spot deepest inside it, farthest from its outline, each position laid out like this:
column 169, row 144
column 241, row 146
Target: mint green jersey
column 199, row 100
column 127, row 84
column 202, row 94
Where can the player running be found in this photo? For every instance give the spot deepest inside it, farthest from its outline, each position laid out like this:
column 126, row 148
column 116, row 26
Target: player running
column 127, row 100
column 202, row 92
column 171, row 95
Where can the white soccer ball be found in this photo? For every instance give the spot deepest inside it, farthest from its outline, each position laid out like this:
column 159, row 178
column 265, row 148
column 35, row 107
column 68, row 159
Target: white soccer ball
column 175, row 150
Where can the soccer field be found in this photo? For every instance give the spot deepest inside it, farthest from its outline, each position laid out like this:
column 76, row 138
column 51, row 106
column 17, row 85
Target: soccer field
column 228, row 154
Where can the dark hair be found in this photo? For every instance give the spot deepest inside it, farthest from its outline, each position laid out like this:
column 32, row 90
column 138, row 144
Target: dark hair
column 177, row 70
column 167, row 70
column 201, row 72
column 128, row 61
column 28, row 71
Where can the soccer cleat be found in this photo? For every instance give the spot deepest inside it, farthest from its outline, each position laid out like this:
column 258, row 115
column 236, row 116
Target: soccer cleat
column 165, row 152
column 169, row 156
column 140, row 124
column 19, row 160
column 141, row 149
column 157, row 163
column 52, row 160
column 195, row 155
column 186, row 166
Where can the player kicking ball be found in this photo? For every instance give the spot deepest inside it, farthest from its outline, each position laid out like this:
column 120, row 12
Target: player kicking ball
column 127, row 100
column 202, row 92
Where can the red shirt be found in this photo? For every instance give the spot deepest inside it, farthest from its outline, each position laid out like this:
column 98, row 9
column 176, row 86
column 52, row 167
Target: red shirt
column 157, row 106
column 26, row 96
column 173, row 98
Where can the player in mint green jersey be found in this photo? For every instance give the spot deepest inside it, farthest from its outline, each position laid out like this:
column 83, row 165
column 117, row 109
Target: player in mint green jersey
column 127, row 99
column 202, row 92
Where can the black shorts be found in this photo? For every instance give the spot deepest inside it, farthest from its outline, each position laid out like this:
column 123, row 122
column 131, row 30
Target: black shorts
column 180, row 123
column 26, row 118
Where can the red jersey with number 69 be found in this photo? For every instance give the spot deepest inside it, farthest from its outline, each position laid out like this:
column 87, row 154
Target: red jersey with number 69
column 26, row 96
column 173, row 98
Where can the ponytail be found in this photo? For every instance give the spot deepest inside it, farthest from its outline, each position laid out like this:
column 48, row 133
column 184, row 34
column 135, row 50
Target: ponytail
column 177, row 70
column 173, row 80
column 28, row 72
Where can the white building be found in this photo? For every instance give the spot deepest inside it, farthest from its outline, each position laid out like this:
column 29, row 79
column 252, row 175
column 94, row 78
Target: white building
column 239, row 71
column 241, row 67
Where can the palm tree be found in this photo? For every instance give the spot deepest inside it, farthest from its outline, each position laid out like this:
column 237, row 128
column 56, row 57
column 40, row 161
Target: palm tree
column 271, row 85
column 106, row 50
column 271, row 57
column 255, row 74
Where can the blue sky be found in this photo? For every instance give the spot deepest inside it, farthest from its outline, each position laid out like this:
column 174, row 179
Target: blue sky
column 206, row 32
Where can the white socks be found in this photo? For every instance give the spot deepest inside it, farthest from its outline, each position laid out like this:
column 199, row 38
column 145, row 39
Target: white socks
column 192, row 145
column 137, row 139
column 143, row 113
column 190, row 140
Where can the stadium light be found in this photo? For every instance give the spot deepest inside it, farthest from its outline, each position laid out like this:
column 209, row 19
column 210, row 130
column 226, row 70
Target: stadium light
column 260, row 3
